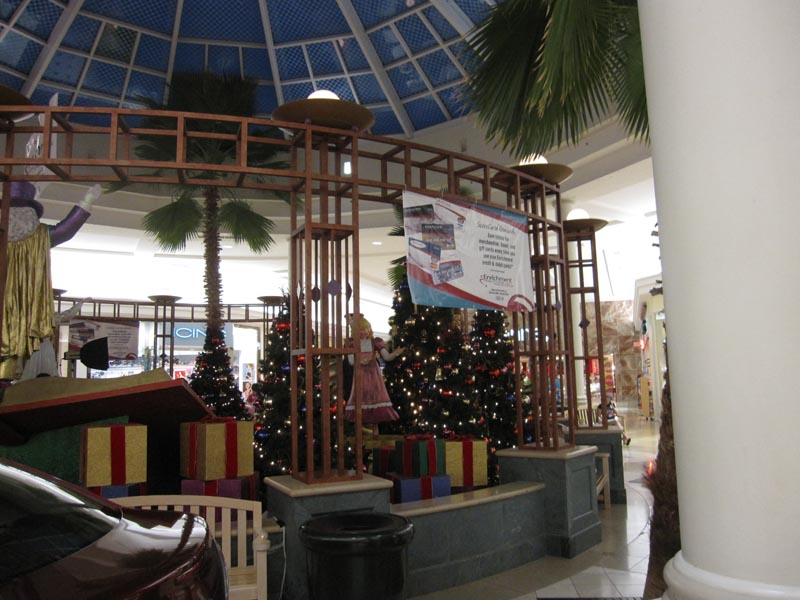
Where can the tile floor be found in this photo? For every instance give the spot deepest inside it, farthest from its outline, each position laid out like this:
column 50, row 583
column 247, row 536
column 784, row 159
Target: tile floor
column 615, row 568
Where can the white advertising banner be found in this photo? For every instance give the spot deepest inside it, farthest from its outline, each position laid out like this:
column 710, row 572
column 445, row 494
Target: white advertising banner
column 123, row 336
column 466, row 255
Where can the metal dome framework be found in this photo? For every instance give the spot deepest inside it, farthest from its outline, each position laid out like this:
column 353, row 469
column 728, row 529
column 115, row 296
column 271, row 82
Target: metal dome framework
column 406, row 60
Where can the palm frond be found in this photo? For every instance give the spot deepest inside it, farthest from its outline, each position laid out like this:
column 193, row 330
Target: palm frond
column 572, row 64
column 506, row 48
column 397, row 273
column 547, row 70
column 627, row 74
column 239, row 219
column 175, row 224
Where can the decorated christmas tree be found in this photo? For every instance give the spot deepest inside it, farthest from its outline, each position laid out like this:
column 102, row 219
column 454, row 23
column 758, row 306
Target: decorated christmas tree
column 213, row 380
column 492, row 378
column 427, row 384
column 273, row 429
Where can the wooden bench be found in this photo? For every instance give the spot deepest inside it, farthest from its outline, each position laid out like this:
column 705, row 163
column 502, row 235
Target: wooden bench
column 603, row 480
column 228, row 518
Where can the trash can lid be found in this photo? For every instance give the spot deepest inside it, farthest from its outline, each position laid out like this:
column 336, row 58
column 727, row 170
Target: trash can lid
column 356, row 532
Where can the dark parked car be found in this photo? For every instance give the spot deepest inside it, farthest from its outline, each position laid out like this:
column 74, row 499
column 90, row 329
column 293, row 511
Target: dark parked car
column 58, row 540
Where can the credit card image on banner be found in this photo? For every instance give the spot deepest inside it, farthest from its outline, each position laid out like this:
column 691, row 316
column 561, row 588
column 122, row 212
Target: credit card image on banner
column 448, row 271
column 439, row 233
column 445, row 214
column 425, row 254
column 415, row 216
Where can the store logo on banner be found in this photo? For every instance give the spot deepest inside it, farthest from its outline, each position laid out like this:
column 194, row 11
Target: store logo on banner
column 466, row 255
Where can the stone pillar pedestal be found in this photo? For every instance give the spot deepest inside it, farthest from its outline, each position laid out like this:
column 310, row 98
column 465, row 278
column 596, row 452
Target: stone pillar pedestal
column 572, row 524
column 293, row 503
column 609, row 441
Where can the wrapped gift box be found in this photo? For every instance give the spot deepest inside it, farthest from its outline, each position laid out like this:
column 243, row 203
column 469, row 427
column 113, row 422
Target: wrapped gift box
column 419, row 455
column 409, row 489
column 466, row 462
column 238, row 487
column 216, row 449
column 113, row 455
column 120, row 491
column 382, row 461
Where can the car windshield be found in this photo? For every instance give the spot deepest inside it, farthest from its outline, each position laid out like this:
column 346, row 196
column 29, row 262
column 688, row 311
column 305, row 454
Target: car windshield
column 42, row 521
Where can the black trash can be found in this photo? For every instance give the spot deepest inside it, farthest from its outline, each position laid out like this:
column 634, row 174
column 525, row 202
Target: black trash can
column 356, row 556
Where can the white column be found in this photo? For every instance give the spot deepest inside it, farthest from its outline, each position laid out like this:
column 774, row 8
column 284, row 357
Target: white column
column 723, row 83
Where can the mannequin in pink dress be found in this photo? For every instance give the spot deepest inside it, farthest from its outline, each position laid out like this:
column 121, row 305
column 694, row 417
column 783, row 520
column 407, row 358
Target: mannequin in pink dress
column 376, row 406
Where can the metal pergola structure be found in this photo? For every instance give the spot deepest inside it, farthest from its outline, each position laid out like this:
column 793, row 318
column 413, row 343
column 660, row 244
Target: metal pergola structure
column 324, row 270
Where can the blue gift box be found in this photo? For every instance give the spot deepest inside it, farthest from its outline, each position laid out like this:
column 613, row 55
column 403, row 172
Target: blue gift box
column 409, row 489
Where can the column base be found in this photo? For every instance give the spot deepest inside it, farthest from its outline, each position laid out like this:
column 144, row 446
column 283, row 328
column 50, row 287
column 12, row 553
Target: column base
column 687, row 582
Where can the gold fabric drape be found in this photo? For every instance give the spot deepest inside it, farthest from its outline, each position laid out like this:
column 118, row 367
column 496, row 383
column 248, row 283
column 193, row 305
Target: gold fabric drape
column 28, row 309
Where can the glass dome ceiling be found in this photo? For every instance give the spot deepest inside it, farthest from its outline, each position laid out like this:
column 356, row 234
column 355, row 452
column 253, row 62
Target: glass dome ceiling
column 403, row 59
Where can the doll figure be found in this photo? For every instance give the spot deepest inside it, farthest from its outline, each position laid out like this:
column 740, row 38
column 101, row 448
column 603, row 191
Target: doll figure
column 376, row 406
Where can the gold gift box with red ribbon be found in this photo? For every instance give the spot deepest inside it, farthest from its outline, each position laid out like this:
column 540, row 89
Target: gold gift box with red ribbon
column 216, row 449
column 466, row 461
column 114, row 455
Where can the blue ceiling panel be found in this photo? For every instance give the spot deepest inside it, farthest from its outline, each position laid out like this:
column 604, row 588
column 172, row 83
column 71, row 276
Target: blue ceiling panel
column 65, row 68
column 406, row 80
column 323, row 59
column 41, row 96
column 156, row 15
column 386, row 122
column 12, row 81
column 415, row 33
column 255, row 63
column 121, row 51
column 297, row 91
column 116, row 43
column 454, row 99
column 144, row 85
column 338, row 86
column 476, row 10
column 293, row 20
column 224, row 60
column 7, row 8
column 189, row 58
column 39, row 18
column 440, row 24
column 291, row 63
column 19, row 52
column 463, row 54
column 353, row 55
column 266, row 100
column 439, row 68
column 105, row 78
column 233, row 21
column 94, row 102
column 152, row 53
column 81, row 33
column 368, row 89
column 424, row 112
column 387, row 45
column 372, row 13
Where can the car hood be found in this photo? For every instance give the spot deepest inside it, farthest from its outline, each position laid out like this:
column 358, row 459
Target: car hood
column 134, row 558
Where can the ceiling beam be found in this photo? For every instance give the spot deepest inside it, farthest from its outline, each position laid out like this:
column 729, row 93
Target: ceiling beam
column 173, row 47
column 53, row 43
column 455, row 16
column 376, row 65
column 273, row 57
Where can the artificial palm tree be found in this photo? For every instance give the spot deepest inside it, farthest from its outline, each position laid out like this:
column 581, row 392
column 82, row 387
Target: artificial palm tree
column 543, row 72
column 205, row 210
